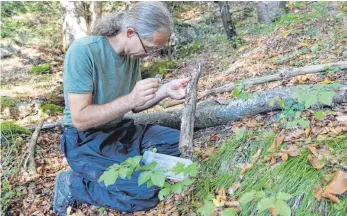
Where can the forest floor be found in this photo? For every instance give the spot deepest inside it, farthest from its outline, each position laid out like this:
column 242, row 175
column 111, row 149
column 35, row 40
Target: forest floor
column 241, row 163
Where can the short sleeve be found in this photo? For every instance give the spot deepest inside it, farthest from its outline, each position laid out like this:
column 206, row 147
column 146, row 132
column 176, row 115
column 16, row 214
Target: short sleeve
column 78, row 69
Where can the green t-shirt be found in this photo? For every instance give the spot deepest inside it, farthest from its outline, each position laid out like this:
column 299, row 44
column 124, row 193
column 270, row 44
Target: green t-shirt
column 92, row 66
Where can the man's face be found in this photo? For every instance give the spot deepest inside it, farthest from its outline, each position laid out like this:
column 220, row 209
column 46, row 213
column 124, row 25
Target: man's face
column 141, row 48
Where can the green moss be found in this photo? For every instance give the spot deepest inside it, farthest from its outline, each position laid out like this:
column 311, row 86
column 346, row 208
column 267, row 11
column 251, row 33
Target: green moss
column 295, row 176
column 159, row 67
column 8, row 102
column 40, row 69
column 51, row 109
column 10, row 129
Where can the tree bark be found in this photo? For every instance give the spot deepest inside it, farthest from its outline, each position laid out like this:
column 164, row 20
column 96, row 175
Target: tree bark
column 216, row 112
column 284, row 75
column 188, row 117
column 228, row 23
column 222, row 111
column 268, row 11
column 96, row 9
column 75, row 21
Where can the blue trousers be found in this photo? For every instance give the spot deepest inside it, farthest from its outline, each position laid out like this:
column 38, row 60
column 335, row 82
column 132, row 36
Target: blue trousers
column 90, row 153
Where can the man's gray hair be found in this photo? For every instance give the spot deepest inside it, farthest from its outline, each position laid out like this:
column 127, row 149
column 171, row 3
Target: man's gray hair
column 145, row 17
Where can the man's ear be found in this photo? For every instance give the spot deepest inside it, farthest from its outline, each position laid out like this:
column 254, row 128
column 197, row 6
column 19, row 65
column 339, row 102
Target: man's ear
column 130, row 32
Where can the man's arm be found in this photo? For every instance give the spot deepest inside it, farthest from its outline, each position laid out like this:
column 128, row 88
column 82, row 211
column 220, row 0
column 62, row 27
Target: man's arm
column 86, row 115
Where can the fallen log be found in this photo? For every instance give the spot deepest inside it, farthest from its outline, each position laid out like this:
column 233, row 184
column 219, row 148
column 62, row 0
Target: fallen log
column 188, row 117
column 283, row 75
column 47, row 126
column 216, row 112
column 222, row 111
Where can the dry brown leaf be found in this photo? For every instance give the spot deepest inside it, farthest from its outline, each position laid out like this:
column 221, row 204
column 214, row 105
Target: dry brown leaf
column 307, row 132
column 284, row 157
column 217, row 202
column 214, row 138
column 331, row 197
column 245, row 168
column 278, row 141
column 292, row 151
column 272, row 161
column 234, row 187
column 255, row 157
column 338, row 184
column 315, row 162
column 313, row 149
column 273, row 211
column 231, row 204
column 318, row 193
column 222, row 194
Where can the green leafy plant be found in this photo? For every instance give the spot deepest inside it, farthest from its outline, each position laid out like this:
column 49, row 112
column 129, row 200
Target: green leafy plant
column 333, row 69
column 238, row 91
column 264, row 203
column 208, row 207
column 150, row 175
column 306, row 98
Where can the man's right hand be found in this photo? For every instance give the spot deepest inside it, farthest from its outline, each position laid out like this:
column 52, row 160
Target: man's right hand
column 144, row 91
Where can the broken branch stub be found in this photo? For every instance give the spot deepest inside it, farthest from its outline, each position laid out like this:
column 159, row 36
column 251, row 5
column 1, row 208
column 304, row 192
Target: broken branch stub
column 188, row 116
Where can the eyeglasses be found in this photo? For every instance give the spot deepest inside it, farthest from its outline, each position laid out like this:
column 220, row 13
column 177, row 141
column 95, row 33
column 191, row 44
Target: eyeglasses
column 152, row 49
column 144, row 48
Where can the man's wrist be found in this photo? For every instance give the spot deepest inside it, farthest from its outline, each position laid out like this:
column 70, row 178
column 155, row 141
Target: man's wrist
column 162, row 92
column 128, row 101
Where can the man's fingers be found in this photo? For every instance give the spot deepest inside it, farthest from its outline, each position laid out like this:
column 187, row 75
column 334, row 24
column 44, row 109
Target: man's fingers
column 149, row 80
column 149, row 97
column 150, row 91
column 150, row 85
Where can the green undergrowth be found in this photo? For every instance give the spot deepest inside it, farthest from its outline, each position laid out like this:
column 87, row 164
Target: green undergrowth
column 7, row 102
column 314, row 12
column 158, row 67
column 10, row 129
column 40, row 69
column 295, row 176
column 51, row 109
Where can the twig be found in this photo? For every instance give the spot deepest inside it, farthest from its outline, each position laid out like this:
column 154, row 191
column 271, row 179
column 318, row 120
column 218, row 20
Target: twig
column 284, row 75
column 188, row 117
column 30, row 153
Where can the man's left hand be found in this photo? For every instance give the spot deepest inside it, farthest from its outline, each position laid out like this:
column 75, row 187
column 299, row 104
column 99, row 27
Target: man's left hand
column 176, row 89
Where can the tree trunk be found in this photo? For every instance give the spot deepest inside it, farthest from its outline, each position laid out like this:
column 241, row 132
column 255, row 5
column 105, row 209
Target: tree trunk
column 75, row 21
column 268, row 11
column 228, row 23
column 218, row 112
column 96, row 9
